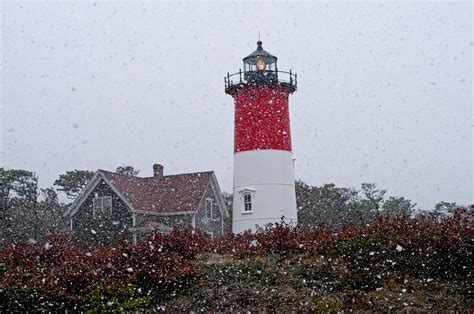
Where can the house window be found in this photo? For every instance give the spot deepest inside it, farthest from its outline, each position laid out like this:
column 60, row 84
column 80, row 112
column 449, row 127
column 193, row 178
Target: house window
column 247, row 202
column 209, row 208
column 210, row 234
column 102, row 206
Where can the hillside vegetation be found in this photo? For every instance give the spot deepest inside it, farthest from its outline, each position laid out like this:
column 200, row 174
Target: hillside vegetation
column 391, row 263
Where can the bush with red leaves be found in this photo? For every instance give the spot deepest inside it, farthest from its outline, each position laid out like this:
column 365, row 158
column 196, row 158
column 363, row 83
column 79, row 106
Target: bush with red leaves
column 59, row 275
column 64, row 273
column 389, row 247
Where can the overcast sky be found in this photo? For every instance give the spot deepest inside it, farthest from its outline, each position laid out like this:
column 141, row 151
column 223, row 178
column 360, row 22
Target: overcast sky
column 384, row 90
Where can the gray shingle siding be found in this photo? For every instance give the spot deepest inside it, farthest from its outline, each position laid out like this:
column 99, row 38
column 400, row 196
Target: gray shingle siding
column 204, row 223
column 180, row 221
column 83, row 220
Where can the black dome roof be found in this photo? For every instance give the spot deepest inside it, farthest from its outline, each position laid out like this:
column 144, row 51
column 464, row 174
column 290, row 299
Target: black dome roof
column 260, row 53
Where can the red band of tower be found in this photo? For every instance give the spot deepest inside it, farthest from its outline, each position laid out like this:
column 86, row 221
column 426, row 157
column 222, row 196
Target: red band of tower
column 262, row 119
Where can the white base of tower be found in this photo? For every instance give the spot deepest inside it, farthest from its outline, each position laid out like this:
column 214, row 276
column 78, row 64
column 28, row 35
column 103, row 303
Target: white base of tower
column 269, row 177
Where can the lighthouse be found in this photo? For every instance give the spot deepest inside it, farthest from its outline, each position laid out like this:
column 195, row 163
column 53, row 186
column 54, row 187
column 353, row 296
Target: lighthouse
column 264, row 176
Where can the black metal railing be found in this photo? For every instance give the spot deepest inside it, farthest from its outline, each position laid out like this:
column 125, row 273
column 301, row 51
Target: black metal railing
column 267, row 77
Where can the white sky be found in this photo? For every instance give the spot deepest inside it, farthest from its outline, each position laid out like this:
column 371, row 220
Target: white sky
column 385, row 90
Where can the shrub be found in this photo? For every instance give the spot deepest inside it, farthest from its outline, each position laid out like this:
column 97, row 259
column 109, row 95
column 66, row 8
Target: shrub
column 56, row 274
column 67, row 276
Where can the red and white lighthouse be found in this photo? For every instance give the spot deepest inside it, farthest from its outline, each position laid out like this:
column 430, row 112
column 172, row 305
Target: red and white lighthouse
column 264, row 176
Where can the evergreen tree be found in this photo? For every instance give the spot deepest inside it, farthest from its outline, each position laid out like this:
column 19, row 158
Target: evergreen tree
column 72, row 182
column 127, row 170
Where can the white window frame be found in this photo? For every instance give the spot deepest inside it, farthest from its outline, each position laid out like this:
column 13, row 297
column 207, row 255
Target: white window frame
column 247, row 202
column 243, row 192
column 209, row 201
column 101, row 199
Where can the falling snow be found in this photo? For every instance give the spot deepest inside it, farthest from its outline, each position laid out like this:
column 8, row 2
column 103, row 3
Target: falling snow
column 383, row 94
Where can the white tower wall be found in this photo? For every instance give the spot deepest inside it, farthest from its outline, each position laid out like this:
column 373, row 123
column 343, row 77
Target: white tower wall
column 268, row 177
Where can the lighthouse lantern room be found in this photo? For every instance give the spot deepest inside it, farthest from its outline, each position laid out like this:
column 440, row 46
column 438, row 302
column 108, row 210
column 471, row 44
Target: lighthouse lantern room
column 264, row 179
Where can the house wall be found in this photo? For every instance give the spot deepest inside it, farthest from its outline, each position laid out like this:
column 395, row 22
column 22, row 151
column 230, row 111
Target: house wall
column 204, row 223
column 180, row 221
column 102, row 229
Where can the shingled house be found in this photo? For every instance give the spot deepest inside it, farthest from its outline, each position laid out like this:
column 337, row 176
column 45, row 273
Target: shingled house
column 114, row 205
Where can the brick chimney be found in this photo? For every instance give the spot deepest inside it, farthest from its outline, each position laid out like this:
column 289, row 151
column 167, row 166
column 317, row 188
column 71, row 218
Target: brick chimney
column 157, row 171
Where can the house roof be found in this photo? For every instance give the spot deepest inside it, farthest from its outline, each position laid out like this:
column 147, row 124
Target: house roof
column 167, row 194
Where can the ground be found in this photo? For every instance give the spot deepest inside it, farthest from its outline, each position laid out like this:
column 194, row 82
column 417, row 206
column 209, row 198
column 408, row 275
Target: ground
column 273, row 283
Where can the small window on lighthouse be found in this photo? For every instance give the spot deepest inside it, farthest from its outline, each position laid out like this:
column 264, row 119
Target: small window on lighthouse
column 247, row 202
